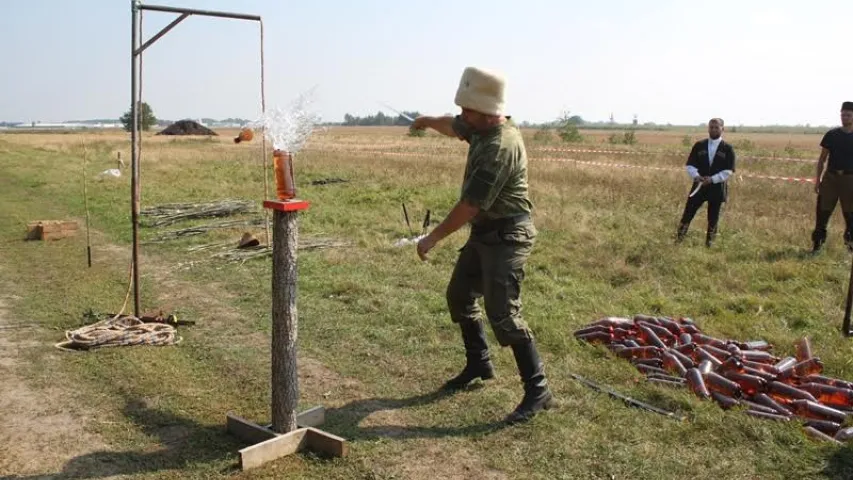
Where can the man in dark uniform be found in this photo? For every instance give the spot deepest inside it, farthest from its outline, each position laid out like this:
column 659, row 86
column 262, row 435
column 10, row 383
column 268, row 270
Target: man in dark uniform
column 710, row 164
column 494, row 200
column 836, row 183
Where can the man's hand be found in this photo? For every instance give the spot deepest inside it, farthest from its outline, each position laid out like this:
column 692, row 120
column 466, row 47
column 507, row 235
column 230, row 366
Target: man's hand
column 424, row 246
column 817, row 187
column 706, row 180
column 421, row 123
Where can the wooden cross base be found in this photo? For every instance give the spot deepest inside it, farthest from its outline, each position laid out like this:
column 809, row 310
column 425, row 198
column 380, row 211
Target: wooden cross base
column 268, row 445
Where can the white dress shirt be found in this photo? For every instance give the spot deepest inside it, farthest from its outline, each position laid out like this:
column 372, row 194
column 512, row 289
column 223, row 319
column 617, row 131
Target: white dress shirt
column 713, row 146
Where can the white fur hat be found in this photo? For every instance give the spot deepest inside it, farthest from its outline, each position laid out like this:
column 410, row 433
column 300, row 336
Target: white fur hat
column 482, row 91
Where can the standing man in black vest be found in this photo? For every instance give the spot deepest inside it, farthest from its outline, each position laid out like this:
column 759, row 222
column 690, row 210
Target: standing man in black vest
column 710, row 164
column 836, row 183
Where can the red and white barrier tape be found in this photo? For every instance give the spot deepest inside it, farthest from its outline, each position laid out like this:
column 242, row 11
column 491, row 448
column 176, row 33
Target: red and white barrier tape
column 599, row 164
column 587, row 151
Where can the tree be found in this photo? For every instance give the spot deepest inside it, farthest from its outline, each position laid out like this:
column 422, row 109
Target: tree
column 567, row 128
column 146, row 118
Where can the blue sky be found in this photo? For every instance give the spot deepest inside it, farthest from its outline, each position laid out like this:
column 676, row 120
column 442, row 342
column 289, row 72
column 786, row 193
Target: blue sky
column 750, row 62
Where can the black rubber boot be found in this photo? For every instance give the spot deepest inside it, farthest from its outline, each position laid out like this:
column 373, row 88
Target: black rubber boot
column 819, row 233
column 848, row 231
column 682, row 232
column 710, row 236
column 477, row 364
column 537, row 395
column 818, row 239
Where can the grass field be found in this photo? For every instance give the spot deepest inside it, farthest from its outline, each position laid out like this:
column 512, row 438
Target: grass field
column 375, row 340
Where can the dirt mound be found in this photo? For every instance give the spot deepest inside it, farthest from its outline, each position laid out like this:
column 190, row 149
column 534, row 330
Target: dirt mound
column 187, row 127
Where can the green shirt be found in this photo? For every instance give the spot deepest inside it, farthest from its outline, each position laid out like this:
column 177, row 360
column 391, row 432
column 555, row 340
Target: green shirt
column 496, row 173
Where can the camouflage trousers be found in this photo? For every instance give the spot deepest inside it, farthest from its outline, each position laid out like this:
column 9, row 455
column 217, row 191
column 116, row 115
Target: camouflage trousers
column 491, row 266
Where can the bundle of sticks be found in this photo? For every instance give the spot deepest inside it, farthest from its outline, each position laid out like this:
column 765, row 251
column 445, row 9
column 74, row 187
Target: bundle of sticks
column 746, row 375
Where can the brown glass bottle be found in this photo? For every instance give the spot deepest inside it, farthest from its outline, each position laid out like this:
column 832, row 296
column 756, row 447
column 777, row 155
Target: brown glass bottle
column 673, row 364
column 719, row 353
column 632, row 343
column 668, row 378
column 758, row 356
column 718, row 383
column 697, row 383
column 652, row 362
column 825, row 426
column 756, row 345
column 768, row 416
column 593, row 329
column 283, row 169
column 750, row 384
column 640, row 352
column 811, row 366
column 786, row 394
column 706, row 340
column 596, row 337
column 834, row 382
column 671, row 325
column 622, row 333
column 844, row 434
column 685, row 338
column 684, row 359
column 785, row 363
column 702, row 354
column 761, row 366
column 816, row 434
column 809, row 409
column 768, row 377
column 804, row 349
column 245, row 135
column 767, row 401
column 650, row 337
column 648, row 370
column 614, row 322
column 829, row 395
column 724, row 401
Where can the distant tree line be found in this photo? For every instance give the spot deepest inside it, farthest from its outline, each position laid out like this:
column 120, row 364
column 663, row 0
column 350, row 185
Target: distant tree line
column 380, row 119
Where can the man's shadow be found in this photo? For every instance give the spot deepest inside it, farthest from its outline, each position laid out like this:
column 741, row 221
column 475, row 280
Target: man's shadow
column 840, row 464
column 185, row 442
column 346, row 420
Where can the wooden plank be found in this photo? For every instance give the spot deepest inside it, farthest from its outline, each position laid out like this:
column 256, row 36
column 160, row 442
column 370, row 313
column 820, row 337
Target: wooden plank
column 311, row 418
column 246, row 430
column 274, row 448
column 327, row 444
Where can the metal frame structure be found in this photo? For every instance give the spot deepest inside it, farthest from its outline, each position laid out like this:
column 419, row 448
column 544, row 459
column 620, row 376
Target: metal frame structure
column 135, row 54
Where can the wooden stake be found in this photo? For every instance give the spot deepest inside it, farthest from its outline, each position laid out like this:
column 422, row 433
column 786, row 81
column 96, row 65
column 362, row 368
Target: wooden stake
column 285, row 383
column 86, row 203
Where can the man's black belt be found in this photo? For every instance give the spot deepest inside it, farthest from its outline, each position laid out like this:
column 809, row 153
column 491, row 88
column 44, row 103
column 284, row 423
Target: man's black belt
column 485, row 226
column 841, row 172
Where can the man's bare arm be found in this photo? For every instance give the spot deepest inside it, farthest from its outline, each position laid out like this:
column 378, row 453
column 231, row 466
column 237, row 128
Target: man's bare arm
column 824, row 154
column 442, row 125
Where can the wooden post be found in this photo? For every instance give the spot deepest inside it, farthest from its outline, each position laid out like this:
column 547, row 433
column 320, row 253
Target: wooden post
column 285, row 382
column 289, row 433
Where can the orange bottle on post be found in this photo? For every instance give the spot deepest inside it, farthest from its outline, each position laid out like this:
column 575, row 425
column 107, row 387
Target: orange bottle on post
column 283, row 168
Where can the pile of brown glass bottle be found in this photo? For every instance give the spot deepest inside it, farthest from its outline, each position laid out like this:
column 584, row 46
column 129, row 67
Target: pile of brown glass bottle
column 675, row 352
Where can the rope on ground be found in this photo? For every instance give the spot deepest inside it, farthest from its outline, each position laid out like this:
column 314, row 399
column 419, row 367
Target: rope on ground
column 118, row 332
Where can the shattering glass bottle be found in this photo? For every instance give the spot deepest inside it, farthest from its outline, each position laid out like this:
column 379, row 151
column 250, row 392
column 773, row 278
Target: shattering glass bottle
column 283, row 169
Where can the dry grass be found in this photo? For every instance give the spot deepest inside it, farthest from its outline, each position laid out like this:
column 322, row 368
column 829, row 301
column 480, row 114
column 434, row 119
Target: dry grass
column 374, row 335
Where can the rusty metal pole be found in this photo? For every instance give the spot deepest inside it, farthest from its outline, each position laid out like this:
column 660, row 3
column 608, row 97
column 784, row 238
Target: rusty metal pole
column 134, row 149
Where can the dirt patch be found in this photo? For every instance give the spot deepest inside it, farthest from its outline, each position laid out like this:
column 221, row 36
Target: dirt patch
column 432, row 459
column 41, row 430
